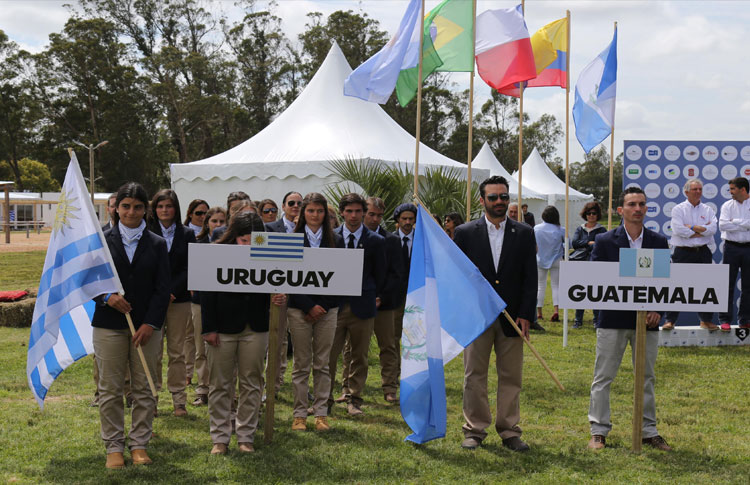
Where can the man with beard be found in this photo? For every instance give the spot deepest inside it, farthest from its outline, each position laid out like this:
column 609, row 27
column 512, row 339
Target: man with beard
column 505, row 252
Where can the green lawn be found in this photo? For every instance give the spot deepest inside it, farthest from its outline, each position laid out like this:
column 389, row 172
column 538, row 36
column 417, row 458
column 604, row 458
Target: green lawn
column 21, row 271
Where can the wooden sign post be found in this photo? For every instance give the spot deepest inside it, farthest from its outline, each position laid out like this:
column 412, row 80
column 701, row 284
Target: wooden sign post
column 277, row 313
column 639, row 379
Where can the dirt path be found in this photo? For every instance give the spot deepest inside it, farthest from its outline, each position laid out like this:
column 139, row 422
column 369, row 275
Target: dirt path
column 19, row 243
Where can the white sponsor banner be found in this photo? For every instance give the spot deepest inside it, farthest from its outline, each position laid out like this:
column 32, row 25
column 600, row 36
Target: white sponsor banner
column 321, row 271
column 598, row 284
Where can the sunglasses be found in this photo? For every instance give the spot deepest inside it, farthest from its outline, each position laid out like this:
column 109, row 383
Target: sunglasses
column 494, row 197
column 592, row 213
column 199, row 213
column 271, row 210
column 292, row 203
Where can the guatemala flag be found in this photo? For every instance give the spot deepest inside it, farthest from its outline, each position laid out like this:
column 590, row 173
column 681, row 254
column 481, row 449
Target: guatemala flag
column 376, row 78
column 448, row 305
column 77, row 268
column 594, row 107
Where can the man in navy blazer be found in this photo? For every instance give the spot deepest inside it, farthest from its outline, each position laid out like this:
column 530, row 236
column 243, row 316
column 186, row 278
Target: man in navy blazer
column 505, row 252
column 615, row 329
column 356, row 315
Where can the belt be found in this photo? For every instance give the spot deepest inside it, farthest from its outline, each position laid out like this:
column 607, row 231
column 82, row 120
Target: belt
column 694, row 248
column 738, row 244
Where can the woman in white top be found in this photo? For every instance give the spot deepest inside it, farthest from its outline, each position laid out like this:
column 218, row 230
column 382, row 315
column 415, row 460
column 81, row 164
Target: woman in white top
column 550, row 240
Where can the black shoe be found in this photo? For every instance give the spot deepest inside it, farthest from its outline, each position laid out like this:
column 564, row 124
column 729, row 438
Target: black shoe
column 515, row 444
column 578, row 325
column 535, row 326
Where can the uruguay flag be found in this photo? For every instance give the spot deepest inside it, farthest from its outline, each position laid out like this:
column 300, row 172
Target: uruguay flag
column 77, row 268
column 594, row 107
column 448, row 305
column 376, row 78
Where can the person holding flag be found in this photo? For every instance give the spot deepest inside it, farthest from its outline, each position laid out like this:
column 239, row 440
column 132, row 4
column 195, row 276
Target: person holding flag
column 505, row 252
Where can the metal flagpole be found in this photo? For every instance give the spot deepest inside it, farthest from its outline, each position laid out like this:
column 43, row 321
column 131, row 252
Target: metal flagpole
column 611, row 167
column 567, row 163
column 471, row 115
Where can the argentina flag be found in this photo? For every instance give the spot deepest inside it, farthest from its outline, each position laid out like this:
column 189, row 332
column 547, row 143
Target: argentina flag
column 448, row 305
column 77, row 268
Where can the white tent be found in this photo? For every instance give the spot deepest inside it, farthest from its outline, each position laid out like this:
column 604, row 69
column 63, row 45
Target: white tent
column 294, row 151
column 542, row 179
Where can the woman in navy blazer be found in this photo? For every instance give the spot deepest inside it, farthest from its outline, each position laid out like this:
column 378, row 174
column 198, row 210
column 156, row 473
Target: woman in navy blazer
column 140, row 258
column 164, row 220
column 235, row 327
column 312, row 322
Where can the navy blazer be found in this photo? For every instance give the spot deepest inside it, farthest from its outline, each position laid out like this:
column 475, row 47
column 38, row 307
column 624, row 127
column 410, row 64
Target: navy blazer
column 178, row 259
column 146, row 282
column 307, row 302
column 393, row 293
column 406, row 265
column 607, row 248
column 276, row 226
column 515, row 278
column 373, row 272
column 225, row 312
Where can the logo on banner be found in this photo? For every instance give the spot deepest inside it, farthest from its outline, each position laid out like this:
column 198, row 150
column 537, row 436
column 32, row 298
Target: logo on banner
column 729, row 153
column 652, row 225
column 710, row 153
column 634, row 153
column 710, row 191
column 725, row 191
column 710, row 172
column 652, row 209
column 648, row 263
column 691, row 153
column 667, row 228
column 667, row 208
column 653, row 171
column 671, row 153
column 652, row 191
column 653, row 152
column 745, row 153
column 690, row 171
column 728, row 172
column 277, row 246
column 633, row 171
column 671, row 191
column 671, row 171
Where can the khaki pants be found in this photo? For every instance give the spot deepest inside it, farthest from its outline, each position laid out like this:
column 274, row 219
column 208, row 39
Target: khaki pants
column 201, row 367
column 312, row 344
column 115, row 356
column 359, row 332
column 509, row 364
column 389, row 358
column 245, row 351
column 189, row 349
column 175, row 329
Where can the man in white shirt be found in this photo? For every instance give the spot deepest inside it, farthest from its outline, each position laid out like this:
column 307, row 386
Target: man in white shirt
column 693, row 227
column 734, row 224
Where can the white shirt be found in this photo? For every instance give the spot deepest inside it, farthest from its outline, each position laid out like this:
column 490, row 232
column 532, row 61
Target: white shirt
column 168, row 234
column 698, row 215
column 196, row 229
column 289, row 225
column 314, row 238
column 496, row 236
column 130, row 238
column 409, row 239
column 734, row 221
column 637, row 243
column 357, row 234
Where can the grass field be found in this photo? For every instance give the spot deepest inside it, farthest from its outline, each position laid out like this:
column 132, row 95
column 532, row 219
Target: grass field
column 21, row 271
column 702, row 397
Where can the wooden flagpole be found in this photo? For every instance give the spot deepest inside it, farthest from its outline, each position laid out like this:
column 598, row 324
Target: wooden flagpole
column 419, row 103
column 277, row 313
column 471, row 114
column 611, row 167
column 640, row 372
column 567, row 162
column 520, row 137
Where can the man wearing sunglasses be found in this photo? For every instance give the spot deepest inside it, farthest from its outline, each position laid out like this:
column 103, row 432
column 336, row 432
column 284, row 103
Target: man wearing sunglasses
column 504, row 250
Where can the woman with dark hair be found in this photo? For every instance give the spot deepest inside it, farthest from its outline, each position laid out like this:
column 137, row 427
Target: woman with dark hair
column 550, row 240
column 235, row 327
column 215, row 217
column 268, row 210
column 142, row 264
column 583, row 244
column 312, row 322
column 165, row 221
column 195, row 214
column 451, row 222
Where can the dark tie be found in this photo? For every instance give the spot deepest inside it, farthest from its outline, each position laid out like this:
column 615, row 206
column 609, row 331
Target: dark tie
column 351, row 242
column 405, row 249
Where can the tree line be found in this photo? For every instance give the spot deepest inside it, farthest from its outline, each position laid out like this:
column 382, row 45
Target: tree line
column 174, row 82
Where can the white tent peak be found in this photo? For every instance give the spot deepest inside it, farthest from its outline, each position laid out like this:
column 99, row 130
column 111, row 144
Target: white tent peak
column 486, row 159
column 544, row 180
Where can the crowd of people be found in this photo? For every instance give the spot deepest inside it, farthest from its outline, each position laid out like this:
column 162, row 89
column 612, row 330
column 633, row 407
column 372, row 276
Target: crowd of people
column 221, row 339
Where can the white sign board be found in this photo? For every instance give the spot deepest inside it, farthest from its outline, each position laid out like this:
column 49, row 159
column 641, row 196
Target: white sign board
column 320, row 271
column 598, row 284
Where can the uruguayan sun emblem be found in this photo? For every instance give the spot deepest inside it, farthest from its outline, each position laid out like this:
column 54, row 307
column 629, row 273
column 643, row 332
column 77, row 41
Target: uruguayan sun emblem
column 259, row 240
column 65, row 212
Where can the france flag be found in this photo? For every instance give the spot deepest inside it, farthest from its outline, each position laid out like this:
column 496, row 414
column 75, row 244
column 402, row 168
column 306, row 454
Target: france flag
column 448, row 305
column 77, row 268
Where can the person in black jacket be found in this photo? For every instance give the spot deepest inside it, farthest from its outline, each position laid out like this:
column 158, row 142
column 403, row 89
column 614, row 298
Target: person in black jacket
column 583, row 243
column 142, row 264
column 165, row 221
column 235, row 327
column 312, row 322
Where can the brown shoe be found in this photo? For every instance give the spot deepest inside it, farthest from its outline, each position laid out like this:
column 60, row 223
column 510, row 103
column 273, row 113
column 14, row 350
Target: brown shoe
column 668, row 326
column 354, row 409
column 471, row 443
column 115, row 461
column 245, row 447
column 709, row 326
column 390, row 397
column 299, row 424
column 340, row 399
column 597, row 442
column 140, row 457
column 219, row 449
column 321, row 423
column 180, row 411
column 657, row 442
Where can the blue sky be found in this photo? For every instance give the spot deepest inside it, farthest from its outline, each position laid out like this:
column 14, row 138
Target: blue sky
column 683, row 66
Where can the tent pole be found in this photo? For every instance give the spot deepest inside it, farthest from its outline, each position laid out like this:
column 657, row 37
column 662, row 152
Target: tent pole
column 419, row 105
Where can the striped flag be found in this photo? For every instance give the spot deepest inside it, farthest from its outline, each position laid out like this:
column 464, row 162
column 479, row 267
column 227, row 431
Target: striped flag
column 645, row 263
column 277, row 246
column 77, row 268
